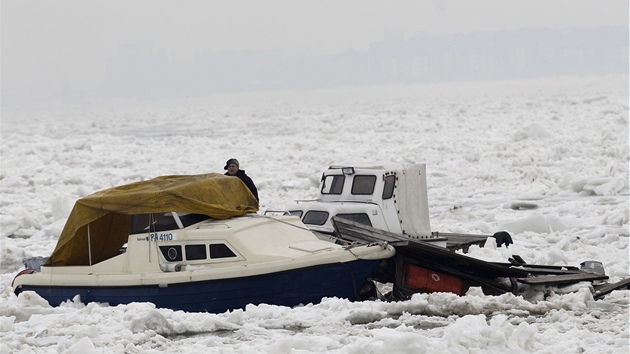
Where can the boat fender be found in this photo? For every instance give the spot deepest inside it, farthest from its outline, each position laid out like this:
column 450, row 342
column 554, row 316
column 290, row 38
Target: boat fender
column 170, row 267
column 25, row 271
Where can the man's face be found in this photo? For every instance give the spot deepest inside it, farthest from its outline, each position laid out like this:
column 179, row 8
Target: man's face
column 232, row 169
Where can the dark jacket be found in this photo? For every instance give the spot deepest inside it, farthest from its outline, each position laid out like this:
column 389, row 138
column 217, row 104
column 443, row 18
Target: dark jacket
column 248, row 182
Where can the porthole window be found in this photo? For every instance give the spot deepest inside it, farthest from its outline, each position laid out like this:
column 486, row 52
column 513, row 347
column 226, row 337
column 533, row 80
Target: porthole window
column 172, row 253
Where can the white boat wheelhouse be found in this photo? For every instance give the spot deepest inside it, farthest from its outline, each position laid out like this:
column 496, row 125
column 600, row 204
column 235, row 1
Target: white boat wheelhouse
column 390, row 197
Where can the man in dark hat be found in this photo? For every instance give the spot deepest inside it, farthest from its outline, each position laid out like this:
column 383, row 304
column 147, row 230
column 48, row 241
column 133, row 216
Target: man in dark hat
column 232, row 167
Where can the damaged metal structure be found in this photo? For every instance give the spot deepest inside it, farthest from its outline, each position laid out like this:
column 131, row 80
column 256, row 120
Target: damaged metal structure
column 422, row 267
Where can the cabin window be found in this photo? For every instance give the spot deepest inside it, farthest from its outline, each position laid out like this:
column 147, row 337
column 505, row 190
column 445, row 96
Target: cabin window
column 172, row 253
column 143, row 223
column 297, row 213
column 163, row 222
column 388, row 190
column 195, row 252
column 315, row 217
column 333, row 184
column 220, row 250
column 139, row 224
column 361, row 218
column 188, row 219
column 363, row 184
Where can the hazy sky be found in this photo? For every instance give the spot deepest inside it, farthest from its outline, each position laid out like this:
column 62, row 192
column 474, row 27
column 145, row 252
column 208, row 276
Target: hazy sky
column 46, row 41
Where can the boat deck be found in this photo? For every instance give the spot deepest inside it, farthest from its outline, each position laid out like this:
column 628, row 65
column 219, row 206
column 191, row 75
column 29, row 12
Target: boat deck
column 352, row 231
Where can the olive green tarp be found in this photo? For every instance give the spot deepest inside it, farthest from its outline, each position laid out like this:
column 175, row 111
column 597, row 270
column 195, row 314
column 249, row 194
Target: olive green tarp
column 108, row 212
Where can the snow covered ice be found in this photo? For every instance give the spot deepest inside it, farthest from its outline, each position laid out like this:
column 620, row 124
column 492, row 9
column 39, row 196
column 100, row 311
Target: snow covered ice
column 546, row 160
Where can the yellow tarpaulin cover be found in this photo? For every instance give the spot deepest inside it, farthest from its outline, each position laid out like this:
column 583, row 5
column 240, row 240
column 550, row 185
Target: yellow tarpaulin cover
column 107, row 212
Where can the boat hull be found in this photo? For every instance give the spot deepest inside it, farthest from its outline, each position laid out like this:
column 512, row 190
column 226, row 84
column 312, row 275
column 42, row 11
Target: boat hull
column 287, row 288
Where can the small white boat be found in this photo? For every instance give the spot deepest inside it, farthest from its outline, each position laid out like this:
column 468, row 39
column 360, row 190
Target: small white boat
column 194, row 243
column 390, row 197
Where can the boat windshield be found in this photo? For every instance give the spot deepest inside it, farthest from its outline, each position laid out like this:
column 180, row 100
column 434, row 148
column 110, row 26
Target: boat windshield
column 143, row 223
column 188, row 219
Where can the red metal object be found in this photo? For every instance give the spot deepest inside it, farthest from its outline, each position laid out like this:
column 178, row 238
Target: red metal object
column 430, row 281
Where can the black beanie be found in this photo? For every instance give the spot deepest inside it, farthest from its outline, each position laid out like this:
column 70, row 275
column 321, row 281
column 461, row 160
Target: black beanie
column 234, row 161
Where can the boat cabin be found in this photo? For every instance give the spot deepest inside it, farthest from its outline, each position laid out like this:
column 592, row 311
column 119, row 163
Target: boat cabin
column 390, row 197
column 162, row 228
